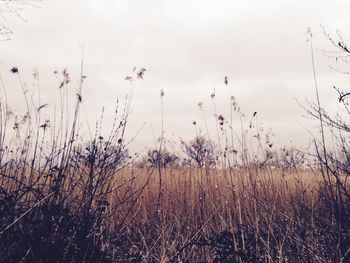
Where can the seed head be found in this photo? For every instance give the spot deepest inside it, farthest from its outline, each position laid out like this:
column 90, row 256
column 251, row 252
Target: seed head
column 35, row 73
column 221, row 120
column 212, row 95
column 14, row 70
column 140, row 73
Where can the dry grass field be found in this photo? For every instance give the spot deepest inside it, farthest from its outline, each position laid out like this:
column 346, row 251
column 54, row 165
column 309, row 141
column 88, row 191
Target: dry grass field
column 238, row 215
column 150, row 181
column 66, row 199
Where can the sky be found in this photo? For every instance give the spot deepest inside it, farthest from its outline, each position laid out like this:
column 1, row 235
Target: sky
column 187, row 48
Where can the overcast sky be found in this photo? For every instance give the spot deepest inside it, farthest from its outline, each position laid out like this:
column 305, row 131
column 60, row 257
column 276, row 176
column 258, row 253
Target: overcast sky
column 187, row 47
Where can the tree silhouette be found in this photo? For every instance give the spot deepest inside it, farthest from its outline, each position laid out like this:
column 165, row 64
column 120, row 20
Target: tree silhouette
column 201, row 151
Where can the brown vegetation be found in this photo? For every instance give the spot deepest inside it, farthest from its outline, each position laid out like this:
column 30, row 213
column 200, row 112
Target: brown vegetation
column 63, row 199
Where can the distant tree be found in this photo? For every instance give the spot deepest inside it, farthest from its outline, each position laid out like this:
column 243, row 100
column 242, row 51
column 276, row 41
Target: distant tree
column 100, row 154
column 200, row 150
column 163, row 158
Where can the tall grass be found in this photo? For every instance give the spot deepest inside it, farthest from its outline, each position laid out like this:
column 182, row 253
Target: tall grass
column 235, row 199
column 54, row 189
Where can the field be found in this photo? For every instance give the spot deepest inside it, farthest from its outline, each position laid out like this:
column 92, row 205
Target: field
column 252, row 215
column 122, row 213
column 232, row 197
